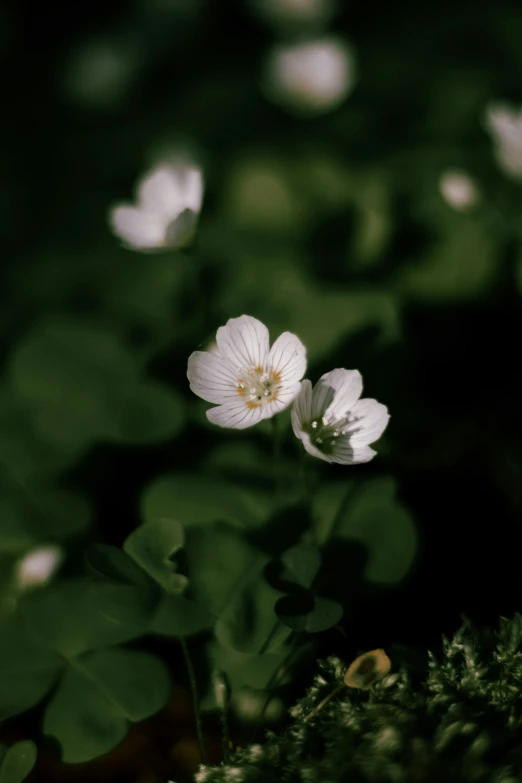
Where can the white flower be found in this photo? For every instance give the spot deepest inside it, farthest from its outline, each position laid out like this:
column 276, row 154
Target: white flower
column 169, row 200
column 458, row 190
column 248, row 380
column 37, row 568
column 314, row 76
column 505, row 126
column 333, row 423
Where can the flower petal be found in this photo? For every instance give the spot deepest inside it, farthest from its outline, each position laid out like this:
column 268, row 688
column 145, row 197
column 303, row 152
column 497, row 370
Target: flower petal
column 193, row 182
column 313, row 450
column 284, row 398
column 347, row 385
column 344, row 452
column 181, row 230
column 212, row 378
column 302, row 408
column 244, row 342
column 137, row 228
column 288, row 358
column 235, row 415
column 373, row 418
column 162, row 192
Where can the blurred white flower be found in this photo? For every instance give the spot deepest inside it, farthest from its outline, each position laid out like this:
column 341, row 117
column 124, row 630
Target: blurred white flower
column 311, row 77
column 245, row 378
column 458, row 189
column 295, row 12
column 38, row 567
column 333, row 423
column 169, row 200
column 504, row 124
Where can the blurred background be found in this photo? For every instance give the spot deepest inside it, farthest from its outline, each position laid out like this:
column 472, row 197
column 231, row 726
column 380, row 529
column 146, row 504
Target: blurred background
column 363, row 189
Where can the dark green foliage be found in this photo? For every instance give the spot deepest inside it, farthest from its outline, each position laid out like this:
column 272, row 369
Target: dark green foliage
column 17, row 761
column 461, row 721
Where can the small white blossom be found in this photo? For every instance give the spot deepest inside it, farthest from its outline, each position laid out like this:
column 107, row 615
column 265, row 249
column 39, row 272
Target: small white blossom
column 504, row 124
column 333, row 423
column 312, row 76
column 38, row 567
column 458, row 190
column 168, row 204
column 245, row 378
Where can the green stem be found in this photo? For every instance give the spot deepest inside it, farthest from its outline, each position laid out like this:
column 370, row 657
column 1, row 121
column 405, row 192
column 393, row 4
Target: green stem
column 324, row 702
column 312, row 534
column 343, row 506
column 273, row 681
column 276, row 459
column 195, row 700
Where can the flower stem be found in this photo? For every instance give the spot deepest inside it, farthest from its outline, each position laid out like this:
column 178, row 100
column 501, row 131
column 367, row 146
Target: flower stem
column 273, row 682
column 276, row 458
column 348, row 496
column 195, row 700
column 312, row 534
column 324, row 702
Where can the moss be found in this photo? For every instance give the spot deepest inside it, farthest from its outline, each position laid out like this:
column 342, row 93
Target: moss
column 460, row 721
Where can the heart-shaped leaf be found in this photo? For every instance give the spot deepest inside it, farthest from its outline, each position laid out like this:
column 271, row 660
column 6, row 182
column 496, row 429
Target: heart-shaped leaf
column 301, row 564
column 152, row 546
column 179, row 616
column 375, row 519
column 29, row 670
column 99, row 695
column 17, row 762
column 307, row 612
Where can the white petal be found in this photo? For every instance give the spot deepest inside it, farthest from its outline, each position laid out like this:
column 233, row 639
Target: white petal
column 348, row 388
column 288, row 358
column 137, row 229
column 170, row 188
column 193, row 183
column 313, row 450
column 235, row 415
column 161, row 193
column 373, row 420
column 344, row 452
column 244, row 342
column 282, row 401
column 302, row 408
column 38, row 567
column 212, row 378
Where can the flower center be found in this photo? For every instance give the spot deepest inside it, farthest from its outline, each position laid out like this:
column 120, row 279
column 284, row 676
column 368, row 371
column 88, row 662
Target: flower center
column 324, row 432
column 258, row 386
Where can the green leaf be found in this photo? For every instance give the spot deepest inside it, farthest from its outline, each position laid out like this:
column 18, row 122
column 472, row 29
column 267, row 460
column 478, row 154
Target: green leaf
column 315, row 615
column 376, row 520
column 82, row 385
column 219, row 561
column 98, row 697
column 200, row 500
column 72, row 618
column 14, row 534
column 179, row 616
column 242, row 670
column 111, row 563
column 301, row 564
column 27, row 670
column 23, row 453
column 460, row 266
column 18, row 762
column 152, row 546
column 247, row 624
